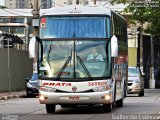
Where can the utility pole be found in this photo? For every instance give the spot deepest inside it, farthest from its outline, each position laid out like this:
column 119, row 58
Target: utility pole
column 35, row 24
column 94, row 2
column 141, row 47
column 35, row 19
column 77, row 2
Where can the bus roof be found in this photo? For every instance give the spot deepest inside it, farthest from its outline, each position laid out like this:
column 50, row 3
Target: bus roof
column 76, row 10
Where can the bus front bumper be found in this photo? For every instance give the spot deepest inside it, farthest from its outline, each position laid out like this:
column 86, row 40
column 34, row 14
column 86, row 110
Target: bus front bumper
column 75, row 98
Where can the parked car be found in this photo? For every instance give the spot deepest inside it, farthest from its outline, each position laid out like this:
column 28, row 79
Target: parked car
column 32, row 85
column 135, row 81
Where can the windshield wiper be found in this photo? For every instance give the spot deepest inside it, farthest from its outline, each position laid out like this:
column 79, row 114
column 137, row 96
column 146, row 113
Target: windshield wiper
column 63, row 67
column 84, row 67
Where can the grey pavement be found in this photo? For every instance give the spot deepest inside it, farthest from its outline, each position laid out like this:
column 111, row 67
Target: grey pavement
column 31, row 109
column 12, row 94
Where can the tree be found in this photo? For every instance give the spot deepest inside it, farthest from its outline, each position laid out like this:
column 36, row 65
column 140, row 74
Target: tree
column 2, row 7
column 144, row 11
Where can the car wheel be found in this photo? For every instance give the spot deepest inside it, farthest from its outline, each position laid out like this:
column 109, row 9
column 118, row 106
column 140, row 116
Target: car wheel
column 119, row 103
column 28, row 94
column 107, row 107
column 50, row 108
column 141, row 93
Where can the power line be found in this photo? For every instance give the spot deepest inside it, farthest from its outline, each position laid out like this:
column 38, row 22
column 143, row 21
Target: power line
column 106, row 3
column 15, row 10
column 11, row 12
column 19, row 11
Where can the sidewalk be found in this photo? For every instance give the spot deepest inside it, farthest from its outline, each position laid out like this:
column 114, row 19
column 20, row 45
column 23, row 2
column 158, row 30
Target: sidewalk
column 11, row 95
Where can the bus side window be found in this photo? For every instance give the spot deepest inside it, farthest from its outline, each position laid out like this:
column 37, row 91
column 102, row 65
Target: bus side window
column 116, row 71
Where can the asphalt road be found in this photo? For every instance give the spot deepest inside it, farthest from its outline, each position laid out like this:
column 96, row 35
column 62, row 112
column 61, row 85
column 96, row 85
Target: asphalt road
column 30, row 109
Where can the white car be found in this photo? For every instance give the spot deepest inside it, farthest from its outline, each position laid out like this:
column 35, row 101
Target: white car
column 135, row 81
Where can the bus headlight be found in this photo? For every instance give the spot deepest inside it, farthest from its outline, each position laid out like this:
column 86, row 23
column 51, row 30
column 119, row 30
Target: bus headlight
column 101, row 88
column 47, row 89
column 107, row 97
column 42, row 98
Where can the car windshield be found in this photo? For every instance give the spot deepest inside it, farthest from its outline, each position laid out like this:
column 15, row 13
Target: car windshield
column 34, row 77
column 133, row 72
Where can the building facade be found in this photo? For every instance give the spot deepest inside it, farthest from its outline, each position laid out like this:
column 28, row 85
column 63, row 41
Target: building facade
column 46, row 4
column 10, row 4
column 16, row 22
column 58, row 3
column 19, row 4
column 27, row 4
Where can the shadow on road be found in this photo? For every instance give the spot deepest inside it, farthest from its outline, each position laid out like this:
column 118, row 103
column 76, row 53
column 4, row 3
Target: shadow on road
column 82, row 110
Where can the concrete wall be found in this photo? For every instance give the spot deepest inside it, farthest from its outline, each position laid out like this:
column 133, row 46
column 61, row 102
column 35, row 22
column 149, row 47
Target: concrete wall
column 20, row 68
column 132, row 56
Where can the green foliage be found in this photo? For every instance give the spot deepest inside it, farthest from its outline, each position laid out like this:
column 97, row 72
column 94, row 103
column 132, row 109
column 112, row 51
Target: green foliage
column 144, row 11
column 1, row 7
column 118, row 1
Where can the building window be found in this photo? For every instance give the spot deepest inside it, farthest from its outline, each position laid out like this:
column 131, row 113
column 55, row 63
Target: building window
column 17, row 30
column 4, row 29
column 29, row 21
column 17, row 20
column 14, row 30
column 85, row 2
column 4, row 20
column 31, row 30
column 70, row 2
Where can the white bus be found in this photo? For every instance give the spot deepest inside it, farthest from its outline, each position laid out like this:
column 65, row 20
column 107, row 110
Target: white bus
column 82, row 57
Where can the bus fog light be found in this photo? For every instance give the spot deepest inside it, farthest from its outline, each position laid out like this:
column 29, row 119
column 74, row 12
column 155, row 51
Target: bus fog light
column 106, row 97
column 41, row 97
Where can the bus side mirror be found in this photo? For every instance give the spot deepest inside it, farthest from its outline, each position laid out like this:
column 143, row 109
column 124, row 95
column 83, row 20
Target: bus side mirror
column 32, row 47
column 114, row 46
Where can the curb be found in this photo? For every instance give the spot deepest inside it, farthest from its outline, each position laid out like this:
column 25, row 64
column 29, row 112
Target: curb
column 3, row 98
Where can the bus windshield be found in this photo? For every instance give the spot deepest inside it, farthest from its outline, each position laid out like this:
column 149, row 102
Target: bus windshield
column 74, row 27
column 76, row 59
column 75, row 54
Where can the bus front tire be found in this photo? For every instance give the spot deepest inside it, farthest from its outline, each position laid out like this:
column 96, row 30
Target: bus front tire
column 50, row 108
column 107, row 107
column 119, row 103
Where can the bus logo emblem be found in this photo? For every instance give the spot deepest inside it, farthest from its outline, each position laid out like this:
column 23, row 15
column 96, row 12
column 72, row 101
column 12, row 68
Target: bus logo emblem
column 74, row 88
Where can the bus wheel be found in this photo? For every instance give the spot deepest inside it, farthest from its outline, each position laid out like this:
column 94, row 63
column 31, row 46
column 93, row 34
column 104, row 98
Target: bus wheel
column 119, row 103
column 50, row 108
column 107, row 107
